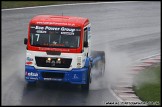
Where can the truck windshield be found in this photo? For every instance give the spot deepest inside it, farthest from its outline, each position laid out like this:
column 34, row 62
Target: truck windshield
column 54, row 36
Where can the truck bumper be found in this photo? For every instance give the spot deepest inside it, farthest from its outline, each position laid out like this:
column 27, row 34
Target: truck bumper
column 75, row 76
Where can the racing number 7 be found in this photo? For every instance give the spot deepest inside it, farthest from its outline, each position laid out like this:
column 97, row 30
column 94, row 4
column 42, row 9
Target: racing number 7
column 37, row 36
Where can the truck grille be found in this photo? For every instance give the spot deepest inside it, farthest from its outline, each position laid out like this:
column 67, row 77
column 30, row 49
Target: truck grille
column 53, row 62
column 52, row 75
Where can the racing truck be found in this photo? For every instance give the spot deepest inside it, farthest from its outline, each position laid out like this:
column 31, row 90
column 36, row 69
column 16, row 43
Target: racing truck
column 58, row 48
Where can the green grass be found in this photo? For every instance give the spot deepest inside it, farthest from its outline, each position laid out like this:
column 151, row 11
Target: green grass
column 148, row 85
column 18, row 4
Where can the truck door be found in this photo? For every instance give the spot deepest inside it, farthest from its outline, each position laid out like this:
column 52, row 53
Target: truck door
column 87, row 36
column 85, row 41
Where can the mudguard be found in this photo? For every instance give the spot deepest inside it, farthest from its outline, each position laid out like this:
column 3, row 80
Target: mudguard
column 97, row 56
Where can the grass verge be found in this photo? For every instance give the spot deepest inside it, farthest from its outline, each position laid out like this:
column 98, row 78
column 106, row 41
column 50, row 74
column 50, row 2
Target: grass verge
column 147, row 85
column 18, row 4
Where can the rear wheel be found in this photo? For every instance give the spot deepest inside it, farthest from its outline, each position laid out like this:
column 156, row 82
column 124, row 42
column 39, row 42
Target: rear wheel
column 99, row 65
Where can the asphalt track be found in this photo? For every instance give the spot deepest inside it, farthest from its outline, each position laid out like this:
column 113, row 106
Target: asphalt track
column 130, row 28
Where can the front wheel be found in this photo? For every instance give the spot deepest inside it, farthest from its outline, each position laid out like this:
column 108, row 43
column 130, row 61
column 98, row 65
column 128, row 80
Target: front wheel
column 31, row 83
column 85, row 87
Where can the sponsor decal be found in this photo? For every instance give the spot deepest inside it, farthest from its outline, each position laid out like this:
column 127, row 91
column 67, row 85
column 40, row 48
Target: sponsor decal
column 31, row 74
column 31, row 78
column 54, row 79
column 67, row 33
column 75, row 76
column 64, row 29
column 45, row 29
column 51, row 28
column 40, row 31
column 29, row 59
column 67, row 29
column 54, row 49
column 56, row 23
column 29, row 63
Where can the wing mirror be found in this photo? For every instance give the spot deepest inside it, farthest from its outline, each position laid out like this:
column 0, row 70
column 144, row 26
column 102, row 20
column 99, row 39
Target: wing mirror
column 25, row 41
column 85, row 44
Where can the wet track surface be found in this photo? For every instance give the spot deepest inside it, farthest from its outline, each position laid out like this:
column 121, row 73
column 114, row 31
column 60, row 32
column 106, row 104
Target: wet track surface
column 132, row 28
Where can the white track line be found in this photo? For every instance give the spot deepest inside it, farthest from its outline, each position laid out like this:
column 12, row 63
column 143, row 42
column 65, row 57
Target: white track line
column 66, row 5
column 117, row 97
column 149, row 57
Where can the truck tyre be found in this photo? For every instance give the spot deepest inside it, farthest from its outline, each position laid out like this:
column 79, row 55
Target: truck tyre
column 85, row 87
column 100, row 65
column 31, row 83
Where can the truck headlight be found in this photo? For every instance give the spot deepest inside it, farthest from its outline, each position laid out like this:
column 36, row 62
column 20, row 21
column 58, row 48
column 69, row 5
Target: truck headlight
column 59, row 59
column 49, row 59
column 79, row 61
